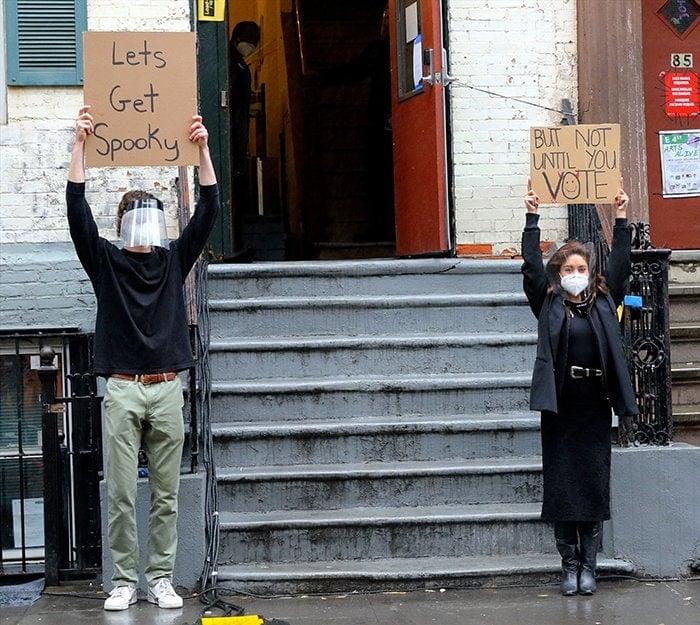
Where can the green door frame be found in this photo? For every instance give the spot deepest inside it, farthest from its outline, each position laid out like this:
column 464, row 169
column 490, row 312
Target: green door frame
column 212, row 77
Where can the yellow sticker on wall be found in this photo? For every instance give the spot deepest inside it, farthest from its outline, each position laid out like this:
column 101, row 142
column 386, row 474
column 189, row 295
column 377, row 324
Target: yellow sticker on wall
column 211, row 10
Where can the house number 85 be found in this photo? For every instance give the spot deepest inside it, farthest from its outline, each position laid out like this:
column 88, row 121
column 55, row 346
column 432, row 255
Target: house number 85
column 682, row 60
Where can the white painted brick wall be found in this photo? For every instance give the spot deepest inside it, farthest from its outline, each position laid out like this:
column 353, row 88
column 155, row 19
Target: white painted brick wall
column 520, row 49
column 35, row 143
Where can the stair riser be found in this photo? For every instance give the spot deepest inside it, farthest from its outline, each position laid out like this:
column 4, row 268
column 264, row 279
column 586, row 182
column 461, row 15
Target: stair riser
column 435, row 539
column 686, row 393
column 249, row 405
column 407, row 491
column 388, row 582
column 408, row 359
column 684, row 310
column 228, row 286
column 232, row 451
column 338, row 320
column 684, row 351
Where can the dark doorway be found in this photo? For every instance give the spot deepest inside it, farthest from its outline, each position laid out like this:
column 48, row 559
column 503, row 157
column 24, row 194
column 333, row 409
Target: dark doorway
column 317, row 179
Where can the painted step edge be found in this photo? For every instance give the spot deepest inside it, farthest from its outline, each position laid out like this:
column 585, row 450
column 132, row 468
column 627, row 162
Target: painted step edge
column 378, row 425
column 412, row 568
column 374, row 383
column 378, row 470
column 305, row 519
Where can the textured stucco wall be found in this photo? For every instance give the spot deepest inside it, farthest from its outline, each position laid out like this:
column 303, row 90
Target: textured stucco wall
column 655, row 508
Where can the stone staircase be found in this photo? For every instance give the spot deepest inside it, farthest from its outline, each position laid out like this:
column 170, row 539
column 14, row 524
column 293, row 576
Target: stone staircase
column 371, row 427
column 684, row 300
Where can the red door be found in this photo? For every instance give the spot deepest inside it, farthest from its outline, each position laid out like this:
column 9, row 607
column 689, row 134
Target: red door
column 418, row 125
column 671, row 52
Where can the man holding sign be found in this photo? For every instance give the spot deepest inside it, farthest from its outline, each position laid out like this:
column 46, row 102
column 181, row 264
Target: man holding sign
column 141, row 343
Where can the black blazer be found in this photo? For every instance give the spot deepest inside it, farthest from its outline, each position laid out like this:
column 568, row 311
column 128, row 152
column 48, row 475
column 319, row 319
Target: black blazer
column 549, row 308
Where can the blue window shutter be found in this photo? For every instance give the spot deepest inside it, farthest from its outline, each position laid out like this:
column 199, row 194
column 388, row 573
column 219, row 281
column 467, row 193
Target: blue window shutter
column 45, row 41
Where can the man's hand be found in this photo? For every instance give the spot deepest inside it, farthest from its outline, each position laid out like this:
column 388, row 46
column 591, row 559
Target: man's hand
column 84, row 125
column 200, row 135
column 532, row 201
column 621, row 202
column 198, row 132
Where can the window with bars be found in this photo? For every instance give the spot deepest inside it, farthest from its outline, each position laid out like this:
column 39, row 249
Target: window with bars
column 45, row 41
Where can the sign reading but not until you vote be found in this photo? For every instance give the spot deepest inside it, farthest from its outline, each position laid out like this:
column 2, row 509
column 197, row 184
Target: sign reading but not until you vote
column 575, row 164
column 142, row 87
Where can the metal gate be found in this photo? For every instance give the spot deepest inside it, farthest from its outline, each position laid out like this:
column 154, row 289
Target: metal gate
column 50, row 456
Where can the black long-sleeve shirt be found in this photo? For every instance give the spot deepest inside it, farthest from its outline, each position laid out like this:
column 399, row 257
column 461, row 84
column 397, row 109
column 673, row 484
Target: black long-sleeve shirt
column 141, row 325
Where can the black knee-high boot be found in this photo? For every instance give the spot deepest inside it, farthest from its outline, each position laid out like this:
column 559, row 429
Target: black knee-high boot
column 567, row 545
column 589, row 533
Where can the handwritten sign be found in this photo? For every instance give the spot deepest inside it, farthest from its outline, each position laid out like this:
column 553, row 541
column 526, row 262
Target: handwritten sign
column 575, row 164
column 142, row 87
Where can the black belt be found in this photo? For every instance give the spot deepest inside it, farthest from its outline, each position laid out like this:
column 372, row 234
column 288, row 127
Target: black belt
column 578, row 373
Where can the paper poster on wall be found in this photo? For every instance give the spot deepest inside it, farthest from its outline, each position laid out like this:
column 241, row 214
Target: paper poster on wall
column 680, row 163
column 575, row 164
column 142, row 87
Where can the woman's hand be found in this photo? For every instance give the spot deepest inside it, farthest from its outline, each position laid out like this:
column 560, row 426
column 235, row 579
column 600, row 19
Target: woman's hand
column 84, row 125
column 531, row 199
column 621, row 202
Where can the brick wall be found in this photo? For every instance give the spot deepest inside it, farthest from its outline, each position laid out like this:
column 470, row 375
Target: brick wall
column 523, row 50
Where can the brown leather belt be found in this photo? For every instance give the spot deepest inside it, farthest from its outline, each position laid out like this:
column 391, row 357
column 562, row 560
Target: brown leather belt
column 146, row 378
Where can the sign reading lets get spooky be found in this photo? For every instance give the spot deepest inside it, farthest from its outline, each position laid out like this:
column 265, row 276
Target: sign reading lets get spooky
column 142, row 87
column 575, row 164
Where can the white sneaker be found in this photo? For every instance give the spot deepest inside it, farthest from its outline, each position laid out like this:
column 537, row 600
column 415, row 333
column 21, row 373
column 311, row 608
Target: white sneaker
column 121, row 598
column 163, row 594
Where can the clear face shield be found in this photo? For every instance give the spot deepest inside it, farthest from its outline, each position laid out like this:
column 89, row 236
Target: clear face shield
column 143, row 224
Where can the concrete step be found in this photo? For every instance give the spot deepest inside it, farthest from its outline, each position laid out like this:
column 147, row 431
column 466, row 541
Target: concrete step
column 369, row 277
column 685, row 344
column 363, row 315
column 301, row 398
column 402, row 574
column 684, row 303
column 383, row 532
column 372, row 438
column 319, row 487
column 246, row 358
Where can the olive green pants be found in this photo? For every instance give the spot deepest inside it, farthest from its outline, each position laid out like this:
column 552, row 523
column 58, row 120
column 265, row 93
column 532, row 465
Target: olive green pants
column 151, row 415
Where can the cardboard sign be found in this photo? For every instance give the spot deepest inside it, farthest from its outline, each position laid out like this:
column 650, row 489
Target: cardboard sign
column 575, row 164
column 142, row 87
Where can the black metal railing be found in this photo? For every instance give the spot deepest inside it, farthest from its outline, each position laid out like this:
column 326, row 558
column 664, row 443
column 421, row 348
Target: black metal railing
column 648, row 342
column 645, row 321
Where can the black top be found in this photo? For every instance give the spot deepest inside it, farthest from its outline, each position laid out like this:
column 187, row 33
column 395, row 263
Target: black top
column 549, row 307
column 141, row 325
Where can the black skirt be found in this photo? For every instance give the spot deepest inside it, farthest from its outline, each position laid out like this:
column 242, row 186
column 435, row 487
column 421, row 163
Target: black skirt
column 576, row 449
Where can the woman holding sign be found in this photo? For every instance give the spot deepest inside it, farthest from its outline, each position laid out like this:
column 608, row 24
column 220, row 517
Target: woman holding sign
column 580, row 373
column 141, row 343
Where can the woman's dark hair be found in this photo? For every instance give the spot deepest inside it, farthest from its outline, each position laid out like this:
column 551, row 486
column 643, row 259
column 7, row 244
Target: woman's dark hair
column 128, row 197
column 559, row 258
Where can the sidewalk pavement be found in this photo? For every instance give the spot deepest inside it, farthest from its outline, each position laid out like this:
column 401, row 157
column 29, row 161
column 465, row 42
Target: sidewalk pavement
column 618, row 602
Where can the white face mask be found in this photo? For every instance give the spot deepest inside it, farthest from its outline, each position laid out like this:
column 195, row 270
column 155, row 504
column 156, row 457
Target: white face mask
column 245, row 48
column 574, row 283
